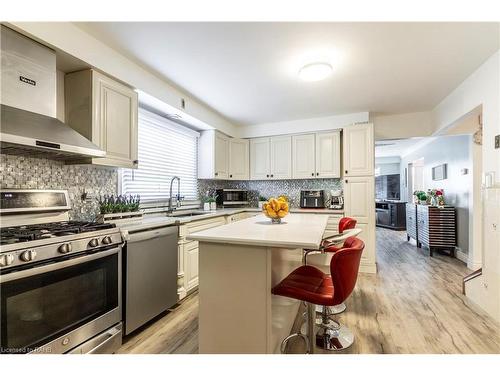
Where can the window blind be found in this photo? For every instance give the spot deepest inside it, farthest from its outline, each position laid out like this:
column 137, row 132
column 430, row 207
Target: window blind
column 166, row 149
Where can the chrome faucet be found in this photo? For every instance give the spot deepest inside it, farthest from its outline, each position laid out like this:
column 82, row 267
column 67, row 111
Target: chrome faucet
column 178, row 203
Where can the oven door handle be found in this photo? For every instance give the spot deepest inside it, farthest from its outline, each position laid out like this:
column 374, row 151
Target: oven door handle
column 57, row 266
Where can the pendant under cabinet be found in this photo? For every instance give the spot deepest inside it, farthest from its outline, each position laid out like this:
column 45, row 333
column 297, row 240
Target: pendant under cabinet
column 104, row 111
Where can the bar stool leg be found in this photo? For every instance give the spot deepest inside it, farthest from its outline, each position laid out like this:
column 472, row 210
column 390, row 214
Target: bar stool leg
column 311, row 317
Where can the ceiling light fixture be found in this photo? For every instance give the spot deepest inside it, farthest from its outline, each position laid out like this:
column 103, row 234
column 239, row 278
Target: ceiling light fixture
column 315, row 71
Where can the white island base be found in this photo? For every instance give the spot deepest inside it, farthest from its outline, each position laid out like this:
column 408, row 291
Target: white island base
column 239, row 264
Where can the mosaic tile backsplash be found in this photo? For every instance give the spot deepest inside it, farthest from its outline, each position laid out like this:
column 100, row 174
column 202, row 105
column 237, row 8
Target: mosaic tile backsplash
column 19, row 172
column 271, row 188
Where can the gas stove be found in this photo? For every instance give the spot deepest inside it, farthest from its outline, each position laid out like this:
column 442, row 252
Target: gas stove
column 35, row 227
column 60, row 284
column 25, row 233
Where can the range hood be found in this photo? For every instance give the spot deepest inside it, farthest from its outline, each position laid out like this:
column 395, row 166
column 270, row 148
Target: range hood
column 28, row 103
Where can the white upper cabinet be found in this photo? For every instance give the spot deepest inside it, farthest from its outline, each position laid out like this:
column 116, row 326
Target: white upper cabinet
column 104, row 111
column 238, row 159
column 328, row 155
column 271, row 158
column 281, row 157
column 358, row 150
column 260, row 159
column 221, row 157
column 304, row 163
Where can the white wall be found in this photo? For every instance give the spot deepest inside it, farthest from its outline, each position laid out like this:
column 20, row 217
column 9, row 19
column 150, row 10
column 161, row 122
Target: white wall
column 387, row 165
column 74, row 41
column 481, row 88
column 455, row 152
column 405, row 125
column 302, row 126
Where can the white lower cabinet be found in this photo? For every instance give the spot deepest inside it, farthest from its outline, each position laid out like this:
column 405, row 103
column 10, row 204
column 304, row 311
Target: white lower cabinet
column 191, row 261
column 187, row 274
column 359, row 203
column 359, row 198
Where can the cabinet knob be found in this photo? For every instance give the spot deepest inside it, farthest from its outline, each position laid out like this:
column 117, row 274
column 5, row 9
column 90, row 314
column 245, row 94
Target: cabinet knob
column 272, row 175
column 216, row 173
column 267, row 175
column 230, row 175
column 346, row 181
column 135, row 162
column 345, row 171
column 317, row 173
column 312, row 174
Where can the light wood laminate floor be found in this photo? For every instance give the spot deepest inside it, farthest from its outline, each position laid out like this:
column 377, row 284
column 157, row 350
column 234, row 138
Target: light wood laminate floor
column 413, row 305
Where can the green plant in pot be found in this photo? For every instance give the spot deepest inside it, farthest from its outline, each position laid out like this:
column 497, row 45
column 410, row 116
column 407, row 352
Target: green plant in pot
column 421, row 196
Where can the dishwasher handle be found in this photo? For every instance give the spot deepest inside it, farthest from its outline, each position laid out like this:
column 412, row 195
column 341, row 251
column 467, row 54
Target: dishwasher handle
column 151, row 234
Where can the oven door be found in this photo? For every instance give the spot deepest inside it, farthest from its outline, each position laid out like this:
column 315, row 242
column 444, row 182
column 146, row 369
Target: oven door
column 54, row 307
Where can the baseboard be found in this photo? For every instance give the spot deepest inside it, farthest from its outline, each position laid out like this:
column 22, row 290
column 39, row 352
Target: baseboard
column 460, row 255
column 368, row 267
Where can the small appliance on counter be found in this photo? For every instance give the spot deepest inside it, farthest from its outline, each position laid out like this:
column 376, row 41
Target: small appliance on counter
column 312, row 199
column 231, row 197
column 337, row 199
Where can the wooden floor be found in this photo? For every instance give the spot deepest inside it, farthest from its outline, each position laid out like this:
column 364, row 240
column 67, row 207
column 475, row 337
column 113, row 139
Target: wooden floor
column 413, row 305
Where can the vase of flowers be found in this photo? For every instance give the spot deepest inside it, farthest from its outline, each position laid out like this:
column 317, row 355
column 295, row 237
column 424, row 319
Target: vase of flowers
column 436, row 197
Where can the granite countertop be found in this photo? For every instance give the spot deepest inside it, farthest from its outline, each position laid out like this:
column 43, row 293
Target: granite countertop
column 297, row 230
column 161, row 220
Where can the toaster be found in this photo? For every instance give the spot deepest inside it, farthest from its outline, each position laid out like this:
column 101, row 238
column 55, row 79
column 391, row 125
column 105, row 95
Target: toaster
column 312, row 199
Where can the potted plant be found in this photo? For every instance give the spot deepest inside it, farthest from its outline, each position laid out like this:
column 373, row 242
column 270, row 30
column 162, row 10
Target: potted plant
column 262, row 199
column 421, row 197
column 213, row 203
column 206, row 202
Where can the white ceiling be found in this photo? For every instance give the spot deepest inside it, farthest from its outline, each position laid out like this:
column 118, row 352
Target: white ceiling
column 248, row 71
column 396, row 147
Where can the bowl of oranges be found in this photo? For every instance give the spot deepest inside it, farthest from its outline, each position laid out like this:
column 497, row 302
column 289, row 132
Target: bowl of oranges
column 276, row 209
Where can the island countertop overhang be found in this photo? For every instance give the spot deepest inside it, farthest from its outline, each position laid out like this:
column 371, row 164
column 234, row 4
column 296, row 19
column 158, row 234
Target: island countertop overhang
column 295, row 231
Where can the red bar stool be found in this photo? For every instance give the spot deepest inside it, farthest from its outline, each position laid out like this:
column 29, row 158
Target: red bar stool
column 315, row 287
column 329, row 245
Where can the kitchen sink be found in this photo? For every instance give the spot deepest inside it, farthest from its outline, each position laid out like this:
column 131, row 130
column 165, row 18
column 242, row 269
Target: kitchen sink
column 187, row 214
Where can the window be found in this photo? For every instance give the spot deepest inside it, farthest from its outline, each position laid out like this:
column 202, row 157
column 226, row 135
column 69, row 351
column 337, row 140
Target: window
column 166, row 149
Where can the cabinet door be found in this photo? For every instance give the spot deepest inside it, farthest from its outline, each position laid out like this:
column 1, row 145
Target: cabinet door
column 115, row 121
column 328, row 155
column 368, row 237
column 281, row 157
column 221, row 162
column 238, row 159
column 359, row 198
column 191, row 265
column 260, row 161
column 358, row 149
column 303, row 156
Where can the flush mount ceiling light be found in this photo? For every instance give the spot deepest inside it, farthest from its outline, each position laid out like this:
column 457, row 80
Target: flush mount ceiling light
column 315, row 71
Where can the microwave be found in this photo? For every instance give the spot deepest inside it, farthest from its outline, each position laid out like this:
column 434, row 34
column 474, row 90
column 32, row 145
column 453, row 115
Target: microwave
column 231, row 197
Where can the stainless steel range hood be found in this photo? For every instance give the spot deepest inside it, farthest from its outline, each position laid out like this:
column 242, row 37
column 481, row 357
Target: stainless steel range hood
column 28, row 103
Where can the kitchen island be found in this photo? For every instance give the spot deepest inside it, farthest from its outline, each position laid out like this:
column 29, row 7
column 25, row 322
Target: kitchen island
column 239, row 263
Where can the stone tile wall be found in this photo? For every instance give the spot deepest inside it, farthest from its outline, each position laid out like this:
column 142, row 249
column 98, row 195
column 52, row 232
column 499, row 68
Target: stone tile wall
column 20, row 172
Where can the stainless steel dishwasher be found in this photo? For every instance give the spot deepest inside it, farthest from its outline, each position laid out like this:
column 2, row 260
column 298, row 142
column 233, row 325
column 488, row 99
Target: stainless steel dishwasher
column 150, row 264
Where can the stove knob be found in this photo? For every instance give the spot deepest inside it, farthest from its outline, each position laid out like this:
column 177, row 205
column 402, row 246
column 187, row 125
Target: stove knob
column 28, row 255
column 93, row 242
column 107, row 240
column 6, row 260
column 64, row 248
